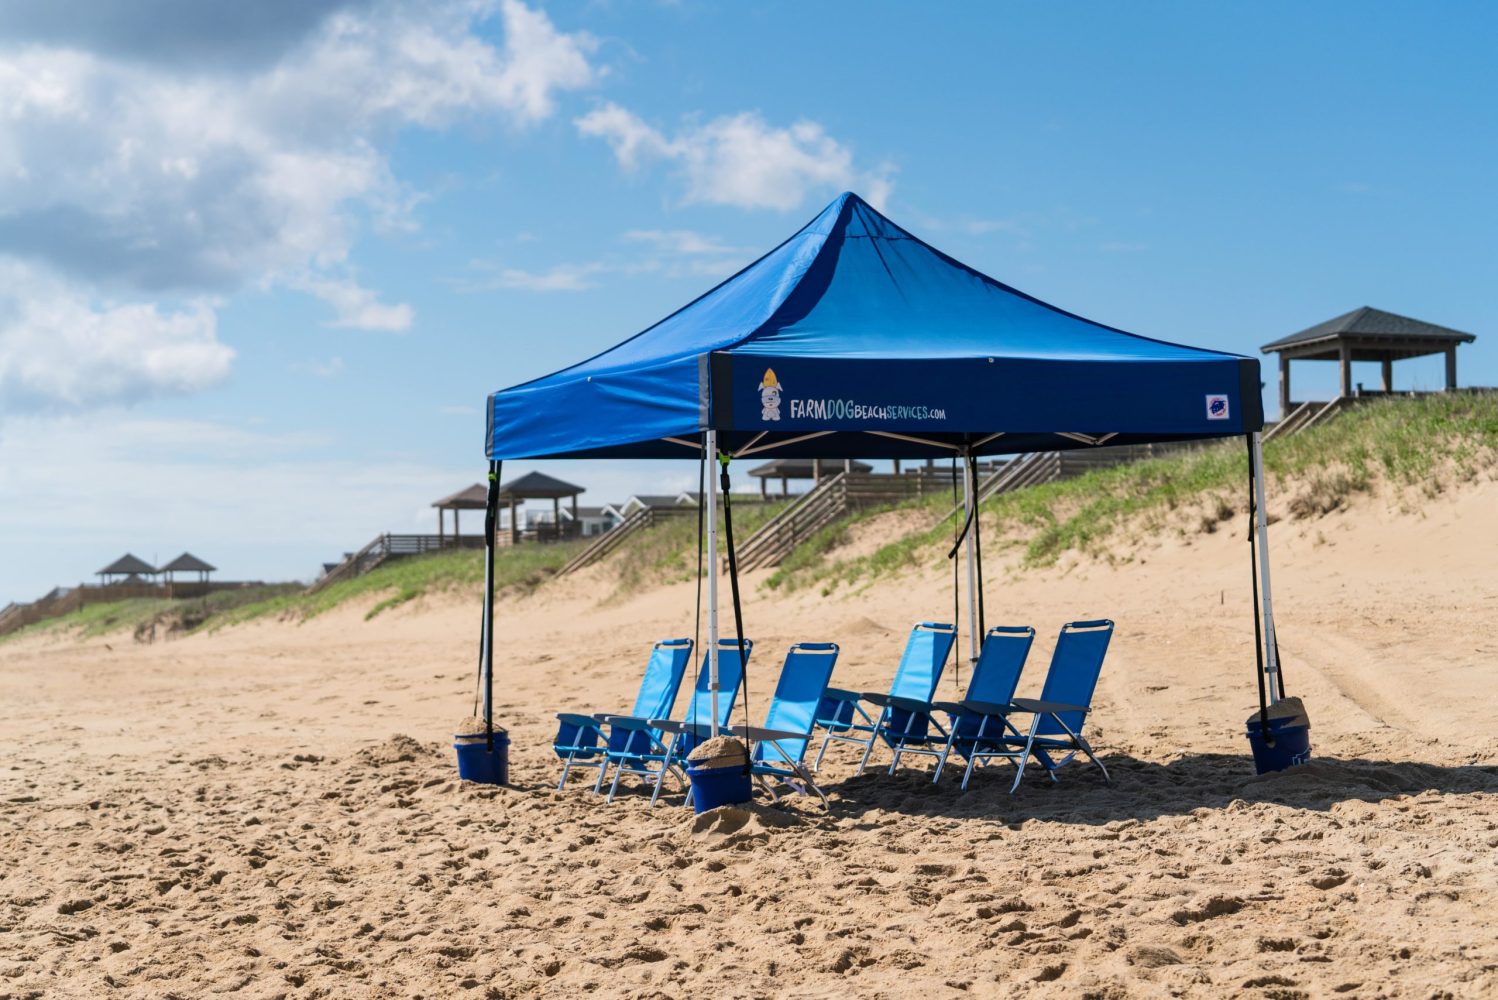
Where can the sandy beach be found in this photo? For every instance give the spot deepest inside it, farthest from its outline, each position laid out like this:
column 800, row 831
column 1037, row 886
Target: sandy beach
column 273, row 810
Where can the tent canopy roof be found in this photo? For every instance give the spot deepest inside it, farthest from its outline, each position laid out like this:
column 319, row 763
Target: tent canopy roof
column 188, row 563
column 127, row 563
column 853, row 338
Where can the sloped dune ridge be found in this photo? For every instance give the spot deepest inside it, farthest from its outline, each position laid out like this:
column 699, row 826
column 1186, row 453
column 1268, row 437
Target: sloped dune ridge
column 273, row 810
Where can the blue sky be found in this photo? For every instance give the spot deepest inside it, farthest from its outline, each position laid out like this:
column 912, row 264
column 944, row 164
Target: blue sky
column 261, row 264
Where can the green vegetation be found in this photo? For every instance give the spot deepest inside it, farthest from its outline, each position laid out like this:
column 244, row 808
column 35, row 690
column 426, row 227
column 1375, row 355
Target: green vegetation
column 520, row 568
column 1413, row 444
column 140, row 613
column 667, row 552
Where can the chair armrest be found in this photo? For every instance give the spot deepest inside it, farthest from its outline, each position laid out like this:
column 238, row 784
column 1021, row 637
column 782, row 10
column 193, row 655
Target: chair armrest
column 841, row 694
column 756, row 733
column 950, row 707
column 602, row 716
column 875, row 698
column 910, row 705
column 574, row 719
column 695, row 728
column 1036, row 705
column 629, row 722
column 986, row 708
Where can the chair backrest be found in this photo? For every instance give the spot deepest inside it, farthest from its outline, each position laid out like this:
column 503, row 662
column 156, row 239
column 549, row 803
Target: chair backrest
column 996, row 674
column 1074, row 672
column 926, row 653
column 730, row 679
column 668, row 662
column 803, row 681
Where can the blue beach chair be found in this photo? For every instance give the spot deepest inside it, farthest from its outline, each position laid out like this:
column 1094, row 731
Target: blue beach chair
column 780, row 744
column 667, row 742
column 844, row 720
column 993, row 682
column 1056, row 717
column 579, row 738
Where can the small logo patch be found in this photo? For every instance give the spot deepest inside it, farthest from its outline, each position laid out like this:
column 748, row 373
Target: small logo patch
column 769, row 396
column 1217, row 407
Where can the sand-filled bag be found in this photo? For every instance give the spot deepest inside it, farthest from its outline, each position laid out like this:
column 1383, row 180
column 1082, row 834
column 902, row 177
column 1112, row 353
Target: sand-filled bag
column 719, row 772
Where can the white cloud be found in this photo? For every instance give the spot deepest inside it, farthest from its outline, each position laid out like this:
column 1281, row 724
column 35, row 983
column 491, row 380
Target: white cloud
column 150, row 186
column 673, row 253
column 740, row 159
column 359, row 308
column 559, row 278
column 680, row 241
column 59, row 351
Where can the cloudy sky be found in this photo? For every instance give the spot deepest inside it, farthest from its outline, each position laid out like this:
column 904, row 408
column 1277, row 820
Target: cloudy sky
column 260, row 263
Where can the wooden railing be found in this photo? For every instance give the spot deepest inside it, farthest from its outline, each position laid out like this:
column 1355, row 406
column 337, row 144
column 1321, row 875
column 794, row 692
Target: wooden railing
column 620, row 533
column 807, row 513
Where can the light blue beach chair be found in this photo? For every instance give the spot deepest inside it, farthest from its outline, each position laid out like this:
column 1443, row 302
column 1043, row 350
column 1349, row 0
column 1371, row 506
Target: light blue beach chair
column 1056, row 717
column 580, row 738
column 667, row 741
column 843, row 718
column 995, row 677
column 780, row 744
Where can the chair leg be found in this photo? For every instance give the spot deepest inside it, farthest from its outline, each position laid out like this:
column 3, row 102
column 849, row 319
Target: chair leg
column 1024, row 758
column 618, row 773
column 603, row 769
column 822, row 750
column 665, row 766
column 868, row 747
column 566, row 766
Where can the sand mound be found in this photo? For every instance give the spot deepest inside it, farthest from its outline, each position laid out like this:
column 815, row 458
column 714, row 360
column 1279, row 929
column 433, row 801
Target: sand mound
column 739, row 827
column 720, row 751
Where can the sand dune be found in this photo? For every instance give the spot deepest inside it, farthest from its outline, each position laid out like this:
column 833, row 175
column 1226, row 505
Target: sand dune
column 273, row 810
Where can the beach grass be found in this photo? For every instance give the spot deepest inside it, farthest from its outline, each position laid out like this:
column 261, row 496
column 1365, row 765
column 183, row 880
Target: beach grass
column 104, row 618
column 518, row 568
column 1417, row 445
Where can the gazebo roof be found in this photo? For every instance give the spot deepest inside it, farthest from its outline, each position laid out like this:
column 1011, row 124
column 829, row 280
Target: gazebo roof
column 538, row 486
column 127, row 563
column 475, row 497
column 188, row 563
column 1373, row 329
column 800, row 468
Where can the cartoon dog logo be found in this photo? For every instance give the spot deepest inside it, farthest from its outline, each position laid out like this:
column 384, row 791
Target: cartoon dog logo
column 769, row 396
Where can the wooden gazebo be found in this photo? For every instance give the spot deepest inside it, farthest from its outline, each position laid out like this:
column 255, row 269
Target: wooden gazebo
column 474, row 497
column 126, row 569
column 538, row 486
column 1366, row 334
column 187, row 563
column 786, row 469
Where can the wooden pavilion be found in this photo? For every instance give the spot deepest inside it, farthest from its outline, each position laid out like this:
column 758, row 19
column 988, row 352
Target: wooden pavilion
column 475, row 497
column 786, row 469
column 187, row 563
column 531, row 486
column 1366, row 334
column 123, row 569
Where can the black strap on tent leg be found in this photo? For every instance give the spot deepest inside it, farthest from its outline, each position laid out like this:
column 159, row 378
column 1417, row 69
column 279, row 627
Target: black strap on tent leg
column 1253, row 565
column 491, row 516
column 733, row 586
column 697, row 614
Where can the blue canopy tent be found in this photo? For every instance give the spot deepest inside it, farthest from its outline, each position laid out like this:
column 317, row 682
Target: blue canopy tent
column 856, row 339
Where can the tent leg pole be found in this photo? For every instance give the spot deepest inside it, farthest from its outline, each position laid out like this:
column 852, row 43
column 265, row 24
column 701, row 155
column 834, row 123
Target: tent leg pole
column 487, row 646
column 1261, row 539
column 710, row 444
column 968, row 488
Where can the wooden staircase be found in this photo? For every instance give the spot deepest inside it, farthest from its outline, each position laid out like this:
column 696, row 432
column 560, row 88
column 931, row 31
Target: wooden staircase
column 376, row 553
column 626, row 529
column 1307, row 415
column 809, row 512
